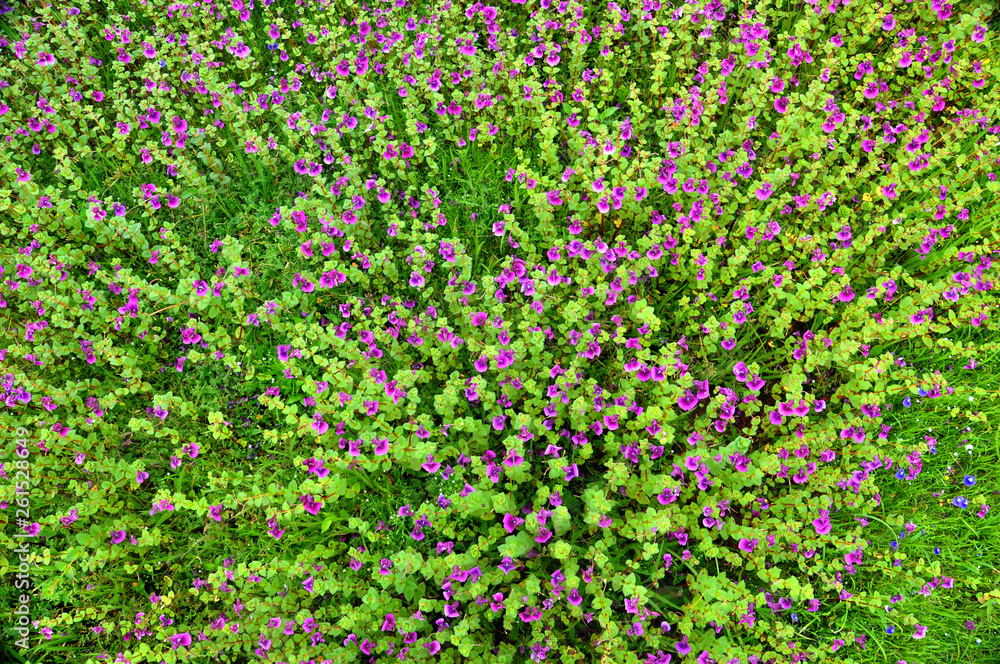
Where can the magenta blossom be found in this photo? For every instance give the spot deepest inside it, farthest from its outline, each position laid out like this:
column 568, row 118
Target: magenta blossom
column 178, row 640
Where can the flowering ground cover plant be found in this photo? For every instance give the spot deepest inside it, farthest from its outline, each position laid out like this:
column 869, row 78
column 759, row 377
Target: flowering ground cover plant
column 342, row 331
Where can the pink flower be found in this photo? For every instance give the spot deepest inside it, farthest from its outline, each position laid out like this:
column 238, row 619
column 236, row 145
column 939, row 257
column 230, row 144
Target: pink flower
column 178, row 640
column 310, row 504
column 688, row 401
column 822, row 526
column 920, row 631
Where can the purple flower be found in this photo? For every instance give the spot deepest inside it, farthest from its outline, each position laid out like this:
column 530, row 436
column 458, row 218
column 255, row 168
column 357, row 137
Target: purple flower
column 822, row 525
column 430, row 466
column 507, row 566
column 178, row 640
column 310, row 504
column 117, row 536
column 510, row 522
column 688, row 401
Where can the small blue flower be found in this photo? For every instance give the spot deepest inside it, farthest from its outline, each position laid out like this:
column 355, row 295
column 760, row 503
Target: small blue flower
column 890, row 629
column 960, row 501
column 894, row 544
column 900, row 474
column 937, row 551
column 922, row 392
column 795, row 617
column 907, row 402
column 163, row 63
column 970, row 480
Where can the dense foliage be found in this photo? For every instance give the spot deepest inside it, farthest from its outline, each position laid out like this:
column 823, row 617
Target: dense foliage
column 455, row 332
